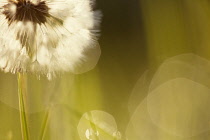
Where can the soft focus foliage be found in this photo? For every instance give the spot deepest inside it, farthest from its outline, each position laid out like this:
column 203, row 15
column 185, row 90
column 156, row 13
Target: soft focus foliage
column 152, row 81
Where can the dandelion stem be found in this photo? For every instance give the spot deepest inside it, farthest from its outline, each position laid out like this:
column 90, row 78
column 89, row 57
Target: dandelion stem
column 22, row 110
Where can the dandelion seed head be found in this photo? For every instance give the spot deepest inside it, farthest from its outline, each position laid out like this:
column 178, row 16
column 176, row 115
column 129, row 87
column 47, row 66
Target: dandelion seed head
column 25, row 10
column 46, row 37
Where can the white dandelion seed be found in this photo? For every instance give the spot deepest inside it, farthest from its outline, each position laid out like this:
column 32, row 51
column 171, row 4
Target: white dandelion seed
column 46, row 36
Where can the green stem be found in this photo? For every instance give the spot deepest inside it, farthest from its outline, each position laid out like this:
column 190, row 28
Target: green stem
column 44, row 125
column 22, row 110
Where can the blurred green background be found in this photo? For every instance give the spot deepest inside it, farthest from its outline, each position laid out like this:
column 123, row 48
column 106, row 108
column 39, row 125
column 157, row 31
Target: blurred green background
column 136, row 36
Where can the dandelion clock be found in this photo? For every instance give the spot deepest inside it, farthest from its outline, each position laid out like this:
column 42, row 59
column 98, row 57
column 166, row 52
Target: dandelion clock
column 47, row 37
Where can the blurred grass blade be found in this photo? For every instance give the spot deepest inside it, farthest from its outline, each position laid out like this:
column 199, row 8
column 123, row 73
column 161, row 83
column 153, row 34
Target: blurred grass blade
column 93, row 125
column 23, row 121
column 44, row 125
